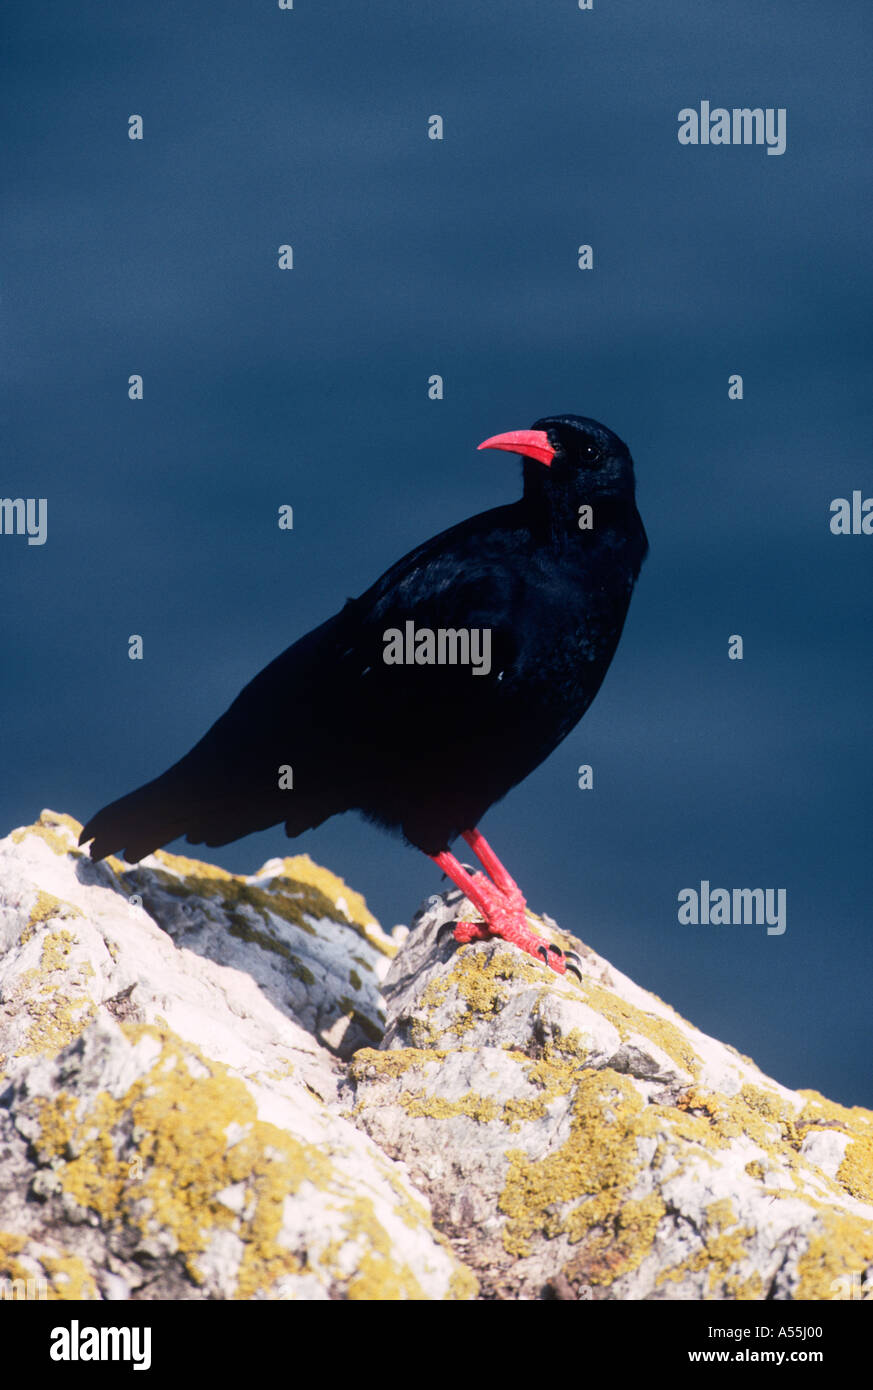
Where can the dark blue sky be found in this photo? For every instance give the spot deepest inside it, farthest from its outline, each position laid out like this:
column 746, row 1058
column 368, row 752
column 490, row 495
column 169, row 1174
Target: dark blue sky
column 310, row 387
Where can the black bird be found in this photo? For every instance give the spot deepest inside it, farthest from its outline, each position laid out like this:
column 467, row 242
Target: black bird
column 424, row 701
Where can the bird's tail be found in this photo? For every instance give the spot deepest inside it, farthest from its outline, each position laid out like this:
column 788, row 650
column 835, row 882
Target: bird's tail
column 191, row 801
column 142, row 821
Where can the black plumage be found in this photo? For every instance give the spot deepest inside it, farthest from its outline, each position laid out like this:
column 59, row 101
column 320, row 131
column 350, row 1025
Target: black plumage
column 421, row 749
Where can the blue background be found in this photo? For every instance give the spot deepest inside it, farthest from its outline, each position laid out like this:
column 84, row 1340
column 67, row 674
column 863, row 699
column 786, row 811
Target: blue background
column 310, row 387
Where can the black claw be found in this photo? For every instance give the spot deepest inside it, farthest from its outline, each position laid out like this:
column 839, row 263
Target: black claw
column 575, row 969
column 541, row 951
column 571, row 955
column 556, row 949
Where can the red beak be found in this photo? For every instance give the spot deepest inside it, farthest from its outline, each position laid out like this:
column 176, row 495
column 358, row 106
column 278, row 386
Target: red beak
column 533, row 444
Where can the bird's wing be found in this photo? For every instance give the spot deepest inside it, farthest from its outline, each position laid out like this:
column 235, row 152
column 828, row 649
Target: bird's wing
column 333, row 710
column 228, row 785
column 435, row 643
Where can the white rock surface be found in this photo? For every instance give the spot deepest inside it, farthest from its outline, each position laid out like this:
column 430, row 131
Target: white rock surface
column 197, row 1101
column 165, row 1129
column 582, row 1140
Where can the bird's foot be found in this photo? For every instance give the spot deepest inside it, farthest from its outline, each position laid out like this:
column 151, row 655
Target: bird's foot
column 497, row 898
column 505, row 918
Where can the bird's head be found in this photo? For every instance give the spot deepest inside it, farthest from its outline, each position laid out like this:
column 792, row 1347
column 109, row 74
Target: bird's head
column 569, row 458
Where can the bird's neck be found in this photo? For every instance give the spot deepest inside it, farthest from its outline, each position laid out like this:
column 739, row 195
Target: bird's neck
column 560, row 522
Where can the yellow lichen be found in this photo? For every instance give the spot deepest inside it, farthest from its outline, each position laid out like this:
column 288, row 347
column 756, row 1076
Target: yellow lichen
column 480, row 1108
column 56, row 949
column 594, row 1171
column 301, row 869
column 11, row 1247
column 855, row 1173
column 721, row 1214
column 378, row 1278
column 296, row 902
column 598, row 1166
column 704, row 1102
column 463, row 1285
column 43, row 830
column 763, row 1116
column 179, row 1116
column 770, row 1104
column 367, row 1061
column 54, row 818
column 856, row 1170
column 844, row 1248
column 244, row 930
column 619, row 1247
column 180, row 1122
column 71, row 1280
column 523, row 1110
column 740, row 1290
column 554, row 1071
column 45, row 909
column 57, row 1013
column 34, row 1273
column 411, row 1212
column 481, row 983
column 628, row 1019
column 718, row 1255
column 192, row 868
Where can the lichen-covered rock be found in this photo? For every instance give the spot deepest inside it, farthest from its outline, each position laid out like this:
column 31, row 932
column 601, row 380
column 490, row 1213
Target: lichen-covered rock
column 582, row 1140
column 204, row 1094
column 165, row 1120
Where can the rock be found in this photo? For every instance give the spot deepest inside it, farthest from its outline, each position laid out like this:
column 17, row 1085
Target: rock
column 583, row 1141
column 165, row 1120
column 219, row 1086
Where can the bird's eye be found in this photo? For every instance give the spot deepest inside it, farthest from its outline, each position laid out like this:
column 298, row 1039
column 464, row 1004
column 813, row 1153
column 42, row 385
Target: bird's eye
column 590, row 453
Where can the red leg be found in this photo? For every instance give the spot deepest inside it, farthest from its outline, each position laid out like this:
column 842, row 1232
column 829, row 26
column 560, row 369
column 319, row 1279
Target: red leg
column 502, row 906
column 492, row 865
